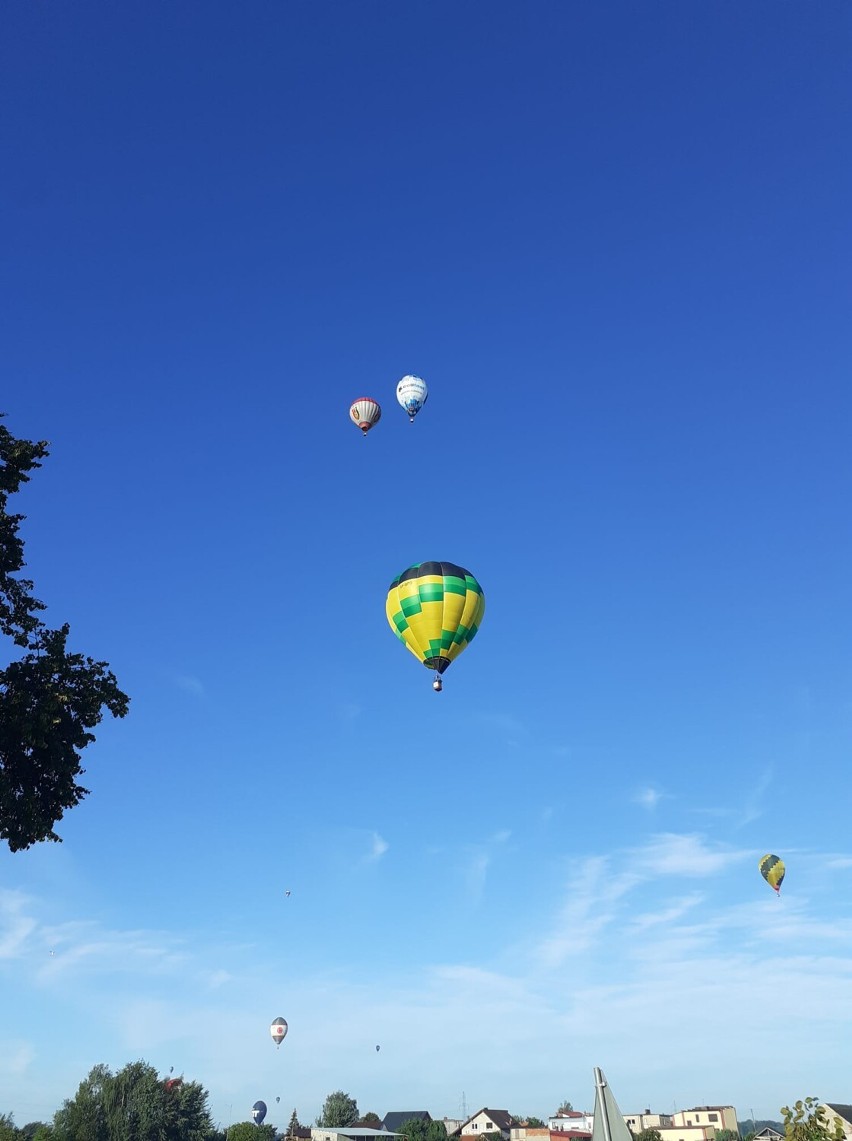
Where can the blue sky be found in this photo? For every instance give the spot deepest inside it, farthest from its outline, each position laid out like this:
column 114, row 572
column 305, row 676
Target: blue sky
column 614, row 239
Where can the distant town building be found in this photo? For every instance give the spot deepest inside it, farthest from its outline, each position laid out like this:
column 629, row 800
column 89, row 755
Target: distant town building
column 719, row 1116
column 636, row 1122
column 570, row 1121
column 489, row 1121
column 352, row 1133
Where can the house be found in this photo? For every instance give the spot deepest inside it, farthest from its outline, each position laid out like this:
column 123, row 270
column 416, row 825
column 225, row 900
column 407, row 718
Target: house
column 719, row 1116
column 844, row 1112
column 571, row 1120
column 398, row 1117
column 636, row 1122
column 767, row 1133
column 489, row 1121
column 686, row 1132
column 352, row 1133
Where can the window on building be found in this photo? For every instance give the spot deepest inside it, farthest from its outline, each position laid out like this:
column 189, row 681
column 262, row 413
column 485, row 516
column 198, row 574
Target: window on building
column 713, row 1116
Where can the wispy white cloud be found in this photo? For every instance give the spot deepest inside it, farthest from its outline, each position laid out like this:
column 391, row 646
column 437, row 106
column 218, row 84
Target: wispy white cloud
column 16, row 925
column 649, row 797
column 189, row 683
column 378, row 847
column 754, row 802
column 674, row 854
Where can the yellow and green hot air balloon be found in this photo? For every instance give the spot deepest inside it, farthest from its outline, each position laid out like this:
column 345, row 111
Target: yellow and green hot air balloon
column 435, row 609
column 772, row 869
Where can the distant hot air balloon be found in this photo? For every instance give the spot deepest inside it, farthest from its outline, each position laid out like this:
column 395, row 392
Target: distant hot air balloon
column 277, row 1100
column 258, row 1112
column 773, row 870
column 435, row 609
column 173, row 1083
column 278, row 1030
column 377, row 1049
column 287, row 893
column 365, row 412
column 412, row 393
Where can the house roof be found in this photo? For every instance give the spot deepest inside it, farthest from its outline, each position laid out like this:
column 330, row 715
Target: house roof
column 844, row 1111
column 501, row 1117
column 398, row 1117
column 353, row 1131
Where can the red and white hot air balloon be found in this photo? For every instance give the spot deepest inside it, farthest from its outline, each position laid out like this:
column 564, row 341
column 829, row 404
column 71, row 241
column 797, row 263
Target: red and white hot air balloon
column 278, row 1030
column 365, row 412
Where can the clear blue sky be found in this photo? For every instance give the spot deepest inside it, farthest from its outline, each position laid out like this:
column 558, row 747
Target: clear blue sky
column 614, row 238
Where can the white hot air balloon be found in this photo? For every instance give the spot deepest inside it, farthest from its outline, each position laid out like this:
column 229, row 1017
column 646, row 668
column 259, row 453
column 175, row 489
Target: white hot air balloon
column 412, row 392
column 365, row 413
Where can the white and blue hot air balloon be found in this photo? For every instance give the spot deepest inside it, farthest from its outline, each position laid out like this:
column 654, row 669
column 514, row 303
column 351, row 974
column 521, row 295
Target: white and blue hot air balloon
column 411, row 392
column 258, row 1112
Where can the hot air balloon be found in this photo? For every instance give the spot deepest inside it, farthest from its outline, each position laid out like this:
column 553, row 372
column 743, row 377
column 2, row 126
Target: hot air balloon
column 773, row 871
column 278, row 1030
column 365, row 412
column 277, row 1100
column 412, row 393
column 435, row 609
column 377, row 1049
column 287, row 893
column 258, row 1112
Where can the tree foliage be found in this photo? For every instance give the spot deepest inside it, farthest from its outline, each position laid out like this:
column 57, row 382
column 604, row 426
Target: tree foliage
column 293, row 1124
column 418, row 1130
column 726, row 1135
column 565, row 1107
column 8, row 1129
column 134, row 1104
column 808, row 1120
column 535, row 1123
column 338, row 1111
column 248, row 1131
column 50, row 699
column 649, row 1135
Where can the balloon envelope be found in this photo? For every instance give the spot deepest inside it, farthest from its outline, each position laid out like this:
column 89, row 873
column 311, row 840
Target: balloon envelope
column 435, row 610
column 773, row 870
column 412, row 393
column 278, row 1030
column 258, row 1112
column 365, row 412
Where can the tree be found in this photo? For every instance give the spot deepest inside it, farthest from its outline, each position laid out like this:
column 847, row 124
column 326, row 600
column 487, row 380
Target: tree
column 808, row 1120
column 649, row 1135
column 726, row 1135
column 294, row 1124
column 338, row 1111
column 134, row 1105
column 418, row 1130
column 248, row 1131
column 566, row 1107
column 374, row 1120
column 8, row 1129
column 535, row 1123
column 50, row 699
column 29, row 1131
